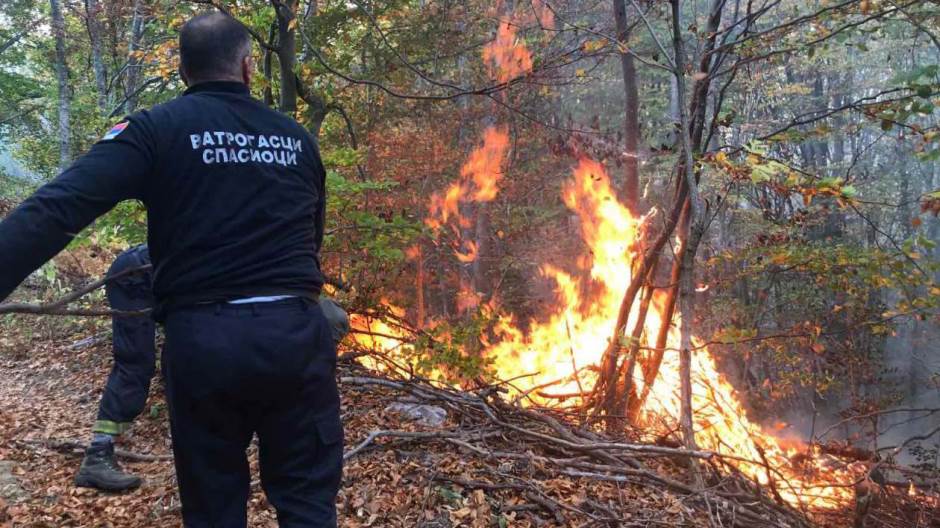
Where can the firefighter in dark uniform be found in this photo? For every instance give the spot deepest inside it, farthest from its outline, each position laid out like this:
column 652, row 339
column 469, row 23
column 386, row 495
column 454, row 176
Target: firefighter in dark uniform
column 235, row 200
column 134, row 351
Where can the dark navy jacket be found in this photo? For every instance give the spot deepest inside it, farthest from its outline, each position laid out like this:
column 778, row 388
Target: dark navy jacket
column 234, row 194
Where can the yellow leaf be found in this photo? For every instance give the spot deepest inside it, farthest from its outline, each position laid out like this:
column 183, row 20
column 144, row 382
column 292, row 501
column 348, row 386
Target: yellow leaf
column 593, row 45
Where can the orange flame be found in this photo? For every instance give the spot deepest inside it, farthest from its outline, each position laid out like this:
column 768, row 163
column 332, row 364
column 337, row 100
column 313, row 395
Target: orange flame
column 378, row 336
column 505, row 57
column 471, row 253
column 479, row 182
column 544, row 14
column 483, row 166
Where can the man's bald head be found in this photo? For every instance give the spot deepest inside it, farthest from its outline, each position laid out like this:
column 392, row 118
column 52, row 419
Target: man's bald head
column 214, row 47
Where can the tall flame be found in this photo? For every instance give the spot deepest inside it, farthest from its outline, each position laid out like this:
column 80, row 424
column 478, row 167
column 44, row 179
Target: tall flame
column 506, row 58
column 564, row 347
column 576, row 334
column 479, row 182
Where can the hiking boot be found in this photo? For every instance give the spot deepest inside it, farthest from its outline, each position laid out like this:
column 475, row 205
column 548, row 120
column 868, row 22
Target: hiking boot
column 101, row 471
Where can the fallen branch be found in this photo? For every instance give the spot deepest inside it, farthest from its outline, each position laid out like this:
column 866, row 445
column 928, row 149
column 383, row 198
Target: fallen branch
column 411, row 435
column 58, row 307
column 74, row 447
column 533, row 439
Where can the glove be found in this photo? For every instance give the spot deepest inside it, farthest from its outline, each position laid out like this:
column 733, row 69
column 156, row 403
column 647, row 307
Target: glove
column 337, row 317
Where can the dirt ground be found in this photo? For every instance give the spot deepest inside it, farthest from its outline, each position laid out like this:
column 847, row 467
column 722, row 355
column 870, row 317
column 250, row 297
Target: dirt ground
column 52, row 372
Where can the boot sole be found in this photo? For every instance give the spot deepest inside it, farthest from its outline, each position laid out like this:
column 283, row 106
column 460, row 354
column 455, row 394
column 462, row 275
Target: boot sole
column 84, row 482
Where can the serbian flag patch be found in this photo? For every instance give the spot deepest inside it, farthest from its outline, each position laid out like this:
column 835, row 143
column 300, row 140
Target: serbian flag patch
column 117, row 129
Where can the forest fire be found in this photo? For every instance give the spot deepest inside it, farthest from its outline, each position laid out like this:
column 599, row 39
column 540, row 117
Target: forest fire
column 554, row 359
column 562, row 350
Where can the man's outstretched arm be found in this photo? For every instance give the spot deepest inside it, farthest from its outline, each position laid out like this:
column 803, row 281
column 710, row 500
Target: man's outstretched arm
column 115, row 169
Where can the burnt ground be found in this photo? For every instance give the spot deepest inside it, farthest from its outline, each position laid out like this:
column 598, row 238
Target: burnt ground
column 52, row 375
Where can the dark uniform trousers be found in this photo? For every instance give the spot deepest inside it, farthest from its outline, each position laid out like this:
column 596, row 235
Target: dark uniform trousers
column 125, row 393
column 233, row 370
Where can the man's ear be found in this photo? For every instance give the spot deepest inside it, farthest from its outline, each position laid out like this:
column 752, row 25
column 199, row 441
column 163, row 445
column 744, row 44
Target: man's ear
column 247, row 67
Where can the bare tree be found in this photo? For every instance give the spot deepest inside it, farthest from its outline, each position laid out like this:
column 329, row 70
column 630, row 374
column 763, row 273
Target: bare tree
column 631, row 125
column 93, row 24
column 132, row 80
column 286, row 52
column 62, row 76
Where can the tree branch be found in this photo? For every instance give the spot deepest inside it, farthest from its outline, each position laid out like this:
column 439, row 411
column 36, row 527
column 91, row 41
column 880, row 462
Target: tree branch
column 120, row 106
column 58, row 307
column 10, row 42
column 914, row 22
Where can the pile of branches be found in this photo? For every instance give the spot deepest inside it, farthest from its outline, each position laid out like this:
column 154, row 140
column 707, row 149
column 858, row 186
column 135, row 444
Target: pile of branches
column 488, row 428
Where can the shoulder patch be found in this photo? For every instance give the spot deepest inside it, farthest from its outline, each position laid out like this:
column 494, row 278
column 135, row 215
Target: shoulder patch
column 115, row 130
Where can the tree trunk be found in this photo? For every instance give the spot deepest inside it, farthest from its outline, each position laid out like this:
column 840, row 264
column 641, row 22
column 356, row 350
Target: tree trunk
column 420, row 279
column 62, row 77
column 133, row 62
column 266, row 67
column 286, row 57
column 686, row 311
column 696, row 227
column 316, row 106
column 94, row 35
column 631, row 128
column 627, row 394
column 478, row 268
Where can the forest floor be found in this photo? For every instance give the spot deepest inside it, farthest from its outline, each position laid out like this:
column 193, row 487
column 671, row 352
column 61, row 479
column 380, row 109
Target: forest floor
column 51, row 382
column 52, row 375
